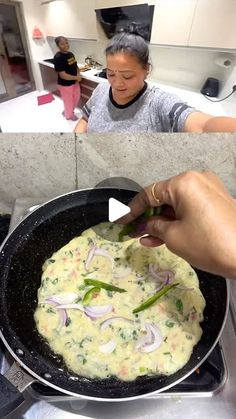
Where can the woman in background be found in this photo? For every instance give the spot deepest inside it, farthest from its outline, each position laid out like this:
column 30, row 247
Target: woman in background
column 128, row 104
column 65, row 65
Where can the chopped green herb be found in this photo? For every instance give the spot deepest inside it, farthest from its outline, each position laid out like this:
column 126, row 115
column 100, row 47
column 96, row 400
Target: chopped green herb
column 189, row 337
column 55, row 281
column 122, row 335
column 50, row 310
column 170, row 324
column 51, row 260
column 68, row 321
column 179, row 305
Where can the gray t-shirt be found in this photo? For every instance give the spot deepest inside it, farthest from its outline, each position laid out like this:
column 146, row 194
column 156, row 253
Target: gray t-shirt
column 152, row 110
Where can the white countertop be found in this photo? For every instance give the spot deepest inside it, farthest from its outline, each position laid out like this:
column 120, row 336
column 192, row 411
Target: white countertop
column 192, row 97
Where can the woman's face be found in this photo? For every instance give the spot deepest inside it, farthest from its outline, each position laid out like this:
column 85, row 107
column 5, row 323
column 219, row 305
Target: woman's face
column 63, row 45
column 126, row 76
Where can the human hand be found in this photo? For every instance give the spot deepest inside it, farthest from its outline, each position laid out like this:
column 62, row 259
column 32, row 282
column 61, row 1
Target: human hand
column 79, row 78
column 204, row 229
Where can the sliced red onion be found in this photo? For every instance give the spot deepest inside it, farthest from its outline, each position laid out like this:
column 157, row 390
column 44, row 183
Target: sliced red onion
column 63, row 317
column 108, row 347
column 64, row 298
column 90, row 257
column 122, row 273
column 62, row 313
column 97, row 251
column 153, row 342
column 98, row 311
column 161, row 276
column 107, row 322
column 105, row 253
column 145, row 340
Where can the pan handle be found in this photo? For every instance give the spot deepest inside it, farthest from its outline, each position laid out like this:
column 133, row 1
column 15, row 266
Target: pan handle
column 12, row 384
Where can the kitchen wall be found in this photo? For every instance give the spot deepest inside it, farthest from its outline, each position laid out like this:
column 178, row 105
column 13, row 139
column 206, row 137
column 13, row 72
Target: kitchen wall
column 171, row 65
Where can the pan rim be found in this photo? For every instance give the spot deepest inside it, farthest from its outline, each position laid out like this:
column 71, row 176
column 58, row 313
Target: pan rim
column 107, row 399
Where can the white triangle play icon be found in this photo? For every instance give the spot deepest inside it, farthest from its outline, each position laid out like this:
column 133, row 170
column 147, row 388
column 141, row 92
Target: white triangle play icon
column 116, row 209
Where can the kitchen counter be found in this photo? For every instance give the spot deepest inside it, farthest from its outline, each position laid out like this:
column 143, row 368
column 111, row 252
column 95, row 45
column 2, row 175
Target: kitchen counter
column 192, row 97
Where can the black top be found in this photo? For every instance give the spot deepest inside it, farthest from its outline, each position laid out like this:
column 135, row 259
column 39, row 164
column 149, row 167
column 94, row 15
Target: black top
column 65, row 62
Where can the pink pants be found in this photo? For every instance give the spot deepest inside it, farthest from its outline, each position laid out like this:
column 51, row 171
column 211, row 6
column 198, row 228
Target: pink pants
column 70, row 96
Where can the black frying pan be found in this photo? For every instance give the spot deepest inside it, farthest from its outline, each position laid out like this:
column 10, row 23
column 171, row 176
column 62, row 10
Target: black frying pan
column 21, row 258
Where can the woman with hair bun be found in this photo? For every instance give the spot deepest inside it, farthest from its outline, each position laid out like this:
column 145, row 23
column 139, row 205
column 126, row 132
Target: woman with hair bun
column 129, row 104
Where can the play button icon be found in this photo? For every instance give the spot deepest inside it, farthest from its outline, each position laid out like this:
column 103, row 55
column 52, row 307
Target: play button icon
column 108, row 201
column 116, row 209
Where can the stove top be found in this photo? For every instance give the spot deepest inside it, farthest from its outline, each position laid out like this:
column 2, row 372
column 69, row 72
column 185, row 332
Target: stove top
column 210, row 388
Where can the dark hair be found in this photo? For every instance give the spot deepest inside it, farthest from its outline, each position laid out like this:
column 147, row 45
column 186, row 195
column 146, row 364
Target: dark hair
column 58, row 39
column 130, row 40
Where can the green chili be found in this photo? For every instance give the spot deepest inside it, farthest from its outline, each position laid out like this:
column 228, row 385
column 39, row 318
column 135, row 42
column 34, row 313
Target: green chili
column 89, row 294
column 100, row 284
column 131, row 228
column 154, row 298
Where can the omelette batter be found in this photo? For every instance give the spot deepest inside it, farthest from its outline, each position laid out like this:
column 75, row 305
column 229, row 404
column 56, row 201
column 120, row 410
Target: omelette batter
column 87, row 303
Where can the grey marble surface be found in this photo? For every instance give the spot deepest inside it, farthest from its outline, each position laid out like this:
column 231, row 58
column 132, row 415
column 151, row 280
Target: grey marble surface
column 147, row 158
column 41, row 165
column 48, row 165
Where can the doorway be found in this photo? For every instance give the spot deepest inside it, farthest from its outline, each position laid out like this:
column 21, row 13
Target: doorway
column 15, row 70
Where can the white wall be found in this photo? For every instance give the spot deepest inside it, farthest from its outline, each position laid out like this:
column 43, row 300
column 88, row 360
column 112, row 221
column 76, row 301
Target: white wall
column 177, row 66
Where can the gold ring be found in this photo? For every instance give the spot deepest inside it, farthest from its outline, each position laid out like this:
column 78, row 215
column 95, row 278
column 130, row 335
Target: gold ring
column 153, row 194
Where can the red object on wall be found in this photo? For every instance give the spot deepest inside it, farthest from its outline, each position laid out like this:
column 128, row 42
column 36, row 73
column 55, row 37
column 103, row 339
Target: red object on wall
column 37, row 34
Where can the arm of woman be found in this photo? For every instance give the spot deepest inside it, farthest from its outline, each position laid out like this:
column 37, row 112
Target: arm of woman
column 81, row 126
column 202, row 122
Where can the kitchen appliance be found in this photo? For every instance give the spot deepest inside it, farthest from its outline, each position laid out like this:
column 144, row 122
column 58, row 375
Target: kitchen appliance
column 210, row 87
column 102, row 73
column 113, row 19
column 216, row 376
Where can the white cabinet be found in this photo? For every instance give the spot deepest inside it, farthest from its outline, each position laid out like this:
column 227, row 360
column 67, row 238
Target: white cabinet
column 172, row 21
column 195, row 23
column 214, row 24
column 71, row 18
